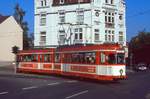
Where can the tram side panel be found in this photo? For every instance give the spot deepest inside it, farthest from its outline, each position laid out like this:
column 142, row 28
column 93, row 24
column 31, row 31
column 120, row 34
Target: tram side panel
column 94, row 64
column 39, row 63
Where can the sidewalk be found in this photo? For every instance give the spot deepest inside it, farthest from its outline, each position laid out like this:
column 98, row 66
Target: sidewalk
column 3, row 64
column 129, row 70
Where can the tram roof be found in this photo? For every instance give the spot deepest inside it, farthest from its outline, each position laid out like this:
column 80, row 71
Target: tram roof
column 75, row 48
column 37, row 50
column 89, row 47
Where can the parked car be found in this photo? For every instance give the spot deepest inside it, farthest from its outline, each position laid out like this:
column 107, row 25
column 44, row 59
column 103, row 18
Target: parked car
column 141, row 67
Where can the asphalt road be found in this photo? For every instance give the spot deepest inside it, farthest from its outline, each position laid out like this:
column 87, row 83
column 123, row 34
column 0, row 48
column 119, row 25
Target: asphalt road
column 29, row 86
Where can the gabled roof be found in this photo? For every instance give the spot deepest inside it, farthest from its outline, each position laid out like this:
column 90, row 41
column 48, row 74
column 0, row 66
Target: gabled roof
column 3, row 18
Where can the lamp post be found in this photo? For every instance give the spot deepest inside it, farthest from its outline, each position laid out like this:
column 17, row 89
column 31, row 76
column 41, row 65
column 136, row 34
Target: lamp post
column 131, row 60
column 15, row 50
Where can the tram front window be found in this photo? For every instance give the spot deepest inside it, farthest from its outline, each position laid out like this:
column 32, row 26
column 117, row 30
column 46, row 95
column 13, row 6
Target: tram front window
column 111, row 58
column 120, row 58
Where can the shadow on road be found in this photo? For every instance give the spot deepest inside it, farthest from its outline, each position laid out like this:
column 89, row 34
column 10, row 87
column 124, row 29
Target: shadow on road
column 9, row 71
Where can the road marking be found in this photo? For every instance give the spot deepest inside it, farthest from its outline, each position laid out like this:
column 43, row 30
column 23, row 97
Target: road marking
column 77, row 94
column 28, row 88
column 56, row 83
column 2, row 93
column 71, row 81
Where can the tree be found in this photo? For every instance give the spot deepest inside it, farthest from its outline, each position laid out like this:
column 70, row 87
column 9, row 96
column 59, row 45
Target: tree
column 15, row 49
column 142, row 39
column 31, row 40
column 138, row 46
column 19, row 14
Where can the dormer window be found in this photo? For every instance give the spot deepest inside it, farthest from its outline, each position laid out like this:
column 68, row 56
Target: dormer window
column 109, row 1
column 62, row 1
column 112, row 2
column 43, row 3
column 106, row 1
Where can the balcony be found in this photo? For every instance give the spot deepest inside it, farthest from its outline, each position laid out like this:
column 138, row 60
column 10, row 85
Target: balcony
column 42, row 43
column 78, row 41
column 109, row 25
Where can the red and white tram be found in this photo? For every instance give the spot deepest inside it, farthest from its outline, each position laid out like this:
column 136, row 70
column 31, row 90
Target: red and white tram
column 101, row 62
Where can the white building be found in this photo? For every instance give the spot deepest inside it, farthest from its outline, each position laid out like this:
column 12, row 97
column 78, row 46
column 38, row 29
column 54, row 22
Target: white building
column 59, row 22
column 11, row 34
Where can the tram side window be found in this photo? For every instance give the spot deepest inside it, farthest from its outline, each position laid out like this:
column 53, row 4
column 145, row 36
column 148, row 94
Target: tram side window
column 40, row 58
column 111, row 59
column 103, row 60
column 57, row 58
column 26, row 58
column 35, row 58
column 75, row 58
column 120, row 58
column 83, row 58
column 29, row 58
column 90, row 58
column 47, row 58
column 67, row 58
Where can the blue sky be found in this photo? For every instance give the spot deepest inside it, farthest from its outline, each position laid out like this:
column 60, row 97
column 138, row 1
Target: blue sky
column 137, row 18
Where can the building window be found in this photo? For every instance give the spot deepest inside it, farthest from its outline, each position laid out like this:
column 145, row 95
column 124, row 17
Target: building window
column 109, row 17
column 112, row 2
column 96, row 34
column 43, row 19
column 80, row 16
column 109, row 1
column 62, row 1
column 109, row 36
column 76, row 36
column 78, row 33
column 109, row 20
column 42, row 38
column 43, row 3
column 113, row 36
column 80, row 36
column 62, row 39
column 62, row 19
column 120, row 17
column 62, row 16
column 106, row 1
column 120, row 36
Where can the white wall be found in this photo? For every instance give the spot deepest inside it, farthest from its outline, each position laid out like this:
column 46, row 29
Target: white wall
column 10, row 35
column 52, row 26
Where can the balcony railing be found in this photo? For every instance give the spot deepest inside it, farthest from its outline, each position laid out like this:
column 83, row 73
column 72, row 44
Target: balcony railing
column 78, row 41
column 42, row 43
column 109, row 25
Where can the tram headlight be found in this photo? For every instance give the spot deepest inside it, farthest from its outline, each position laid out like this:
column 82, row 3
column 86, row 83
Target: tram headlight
column 121, row 72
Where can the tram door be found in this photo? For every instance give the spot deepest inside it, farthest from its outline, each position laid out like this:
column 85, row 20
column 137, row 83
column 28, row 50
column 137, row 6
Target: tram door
column 65, row 67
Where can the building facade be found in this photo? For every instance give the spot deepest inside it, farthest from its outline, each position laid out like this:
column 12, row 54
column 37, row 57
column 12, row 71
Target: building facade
column 11, row 34
column 61, row 22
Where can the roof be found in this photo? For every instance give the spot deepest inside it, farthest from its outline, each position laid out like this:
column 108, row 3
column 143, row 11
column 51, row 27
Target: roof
column 3, row 18
column 69, row 2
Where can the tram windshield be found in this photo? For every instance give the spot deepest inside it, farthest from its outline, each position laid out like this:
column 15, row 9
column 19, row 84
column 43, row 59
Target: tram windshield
column 120, row 58
column 114, row 58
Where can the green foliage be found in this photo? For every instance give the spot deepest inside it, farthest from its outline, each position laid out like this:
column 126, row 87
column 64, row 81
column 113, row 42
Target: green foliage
column 138, row 43
column 142, row 39
column 15, row 49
